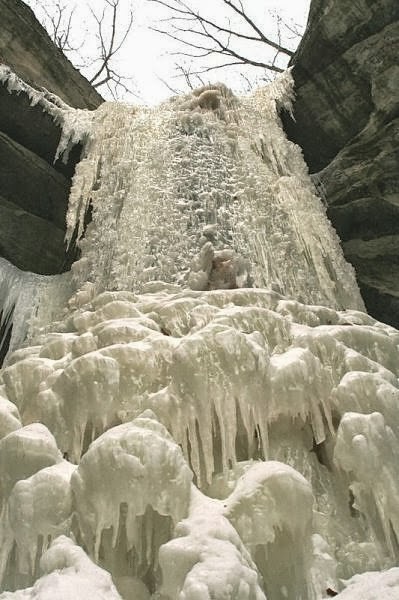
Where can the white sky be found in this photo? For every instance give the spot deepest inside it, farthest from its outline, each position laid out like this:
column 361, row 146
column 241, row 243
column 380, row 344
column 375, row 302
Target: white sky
column 146, row 55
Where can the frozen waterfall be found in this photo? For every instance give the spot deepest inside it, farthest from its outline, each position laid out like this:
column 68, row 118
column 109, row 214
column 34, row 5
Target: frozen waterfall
column 201, row 409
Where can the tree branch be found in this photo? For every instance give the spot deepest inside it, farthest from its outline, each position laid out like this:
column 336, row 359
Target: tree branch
column 204, row 36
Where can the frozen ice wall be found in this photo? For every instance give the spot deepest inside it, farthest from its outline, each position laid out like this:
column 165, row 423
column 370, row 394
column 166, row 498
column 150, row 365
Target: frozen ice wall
column 205, row 191
column 210, row 414
column 28, row 302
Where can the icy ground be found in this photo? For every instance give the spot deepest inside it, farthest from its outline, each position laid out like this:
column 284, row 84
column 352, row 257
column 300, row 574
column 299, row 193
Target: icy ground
column 227, row 433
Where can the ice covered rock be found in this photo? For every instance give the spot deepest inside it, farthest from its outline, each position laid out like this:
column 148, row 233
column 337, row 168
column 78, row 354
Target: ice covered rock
column 207, row 558
column 372, row 585
column 68, row 574
column 271, row 509
column 39, row 508
column 131, row 487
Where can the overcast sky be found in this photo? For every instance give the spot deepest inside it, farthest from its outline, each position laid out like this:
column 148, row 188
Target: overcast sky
column 146, row 56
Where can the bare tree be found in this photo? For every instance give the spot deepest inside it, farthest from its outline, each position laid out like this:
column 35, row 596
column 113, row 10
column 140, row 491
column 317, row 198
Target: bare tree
column 234, row 41
column 59, row 18
column 111, row 36
column 94, row 45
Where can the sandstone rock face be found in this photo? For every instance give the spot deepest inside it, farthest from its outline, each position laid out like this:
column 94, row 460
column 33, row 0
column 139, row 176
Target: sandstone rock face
column 26, row 47
column 347, row 122
column 34, row 191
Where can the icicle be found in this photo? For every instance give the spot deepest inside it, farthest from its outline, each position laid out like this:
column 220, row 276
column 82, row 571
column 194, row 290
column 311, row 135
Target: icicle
column 75, row 124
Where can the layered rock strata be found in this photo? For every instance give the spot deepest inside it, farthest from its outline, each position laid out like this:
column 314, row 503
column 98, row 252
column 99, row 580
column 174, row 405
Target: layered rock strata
column 33, row 189
column 347, row 122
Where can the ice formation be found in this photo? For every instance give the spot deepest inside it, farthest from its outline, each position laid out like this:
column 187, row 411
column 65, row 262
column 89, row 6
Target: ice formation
column 67, row 573
column 204, row 411
column 27, row 302
column 75, row 124
column 222, row 200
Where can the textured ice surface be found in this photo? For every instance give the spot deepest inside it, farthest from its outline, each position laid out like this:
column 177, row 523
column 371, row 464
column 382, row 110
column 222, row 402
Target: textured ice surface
column 229, row 376
column 67, row 573
column 222, row 199
column 370, row 586
column 209, row 415
column 28, row 301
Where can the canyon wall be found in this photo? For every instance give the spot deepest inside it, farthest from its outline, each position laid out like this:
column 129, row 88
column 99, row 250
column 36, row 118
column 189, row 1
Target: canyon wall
column 347, row 123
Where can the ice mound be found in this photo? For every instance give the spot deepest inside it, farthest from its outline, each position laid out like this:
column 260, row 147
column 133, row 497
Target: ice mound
column 67, row 573
column 366, row 447
column 207, row 558
column 9, row 417
column 369, row 586
column 271, row 509
column 230, row 381
column 131, row 477
column 39, row 509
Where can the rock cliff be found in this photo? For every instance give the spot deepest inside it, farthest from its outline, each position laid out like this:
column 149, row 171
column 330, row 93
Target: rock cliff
column 34, row 191
column 347, row 123
column 26, row 47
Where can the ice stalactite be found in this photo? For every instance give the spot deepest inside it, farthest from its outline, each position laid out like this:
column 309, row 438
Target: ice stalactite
column 75, row 124
column 205, row 412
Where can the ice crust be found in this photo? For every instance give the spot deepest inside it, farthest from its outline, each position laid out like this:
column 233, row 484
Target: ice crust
column 205, row 412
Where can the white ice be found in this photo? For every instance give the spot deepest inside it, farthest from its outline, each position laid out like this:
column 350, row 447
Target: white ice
column 67, row 573
column 205, row 412
column 372, row 585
